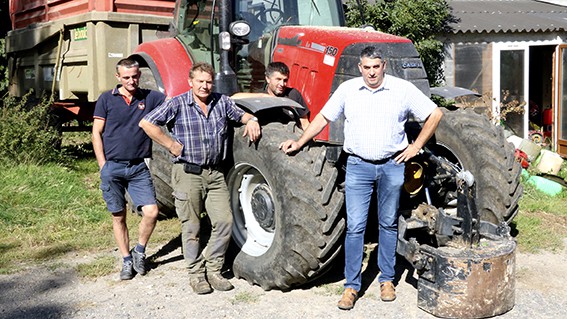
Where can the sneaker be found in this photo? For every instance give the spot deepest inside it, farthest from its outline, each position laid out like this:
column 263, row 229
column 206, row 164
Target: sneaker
column 348, row 299
column 127, row 271
column 200, row 285
column 387, row 291
column 139, row 260
column 219, row 282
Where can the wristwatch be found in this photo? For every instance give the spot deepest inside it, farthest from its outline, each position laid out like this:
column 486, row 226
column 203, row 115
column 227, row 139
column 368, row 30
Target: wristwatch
column 255, row 119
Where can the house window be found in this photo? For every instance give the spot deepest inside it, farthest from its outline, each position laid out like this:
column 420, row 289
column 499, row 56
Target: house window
column 469, row 66
column 512, row 90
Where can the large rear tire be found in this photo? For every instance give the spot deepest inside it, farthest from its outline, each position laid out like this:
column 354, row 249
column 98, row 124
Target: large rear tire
column 469, row 140
column 288, row 219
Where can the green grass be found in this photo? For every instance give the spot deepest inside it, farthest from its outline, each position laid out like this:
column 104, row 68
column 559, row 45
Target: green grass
column 541, row 223
column 331, row 289
column 50, row 210
column 245, row 298
column 100, row 267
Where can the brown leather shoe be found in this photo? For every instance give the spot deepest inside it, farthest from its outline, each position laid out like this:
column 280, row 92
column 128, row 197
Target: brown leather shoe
column 348, row 299
column 199, row 284
column 219, row 282
column 387, row 291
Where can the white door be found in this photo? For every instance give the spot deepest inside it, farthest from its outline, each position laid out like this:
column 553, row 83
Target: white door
column 511, row 86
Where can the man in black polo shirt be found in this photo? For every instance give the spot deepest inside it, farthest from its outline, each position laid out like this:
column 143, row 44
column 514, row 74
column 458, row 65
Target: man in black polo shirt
column 120, row 146
column 277, row 75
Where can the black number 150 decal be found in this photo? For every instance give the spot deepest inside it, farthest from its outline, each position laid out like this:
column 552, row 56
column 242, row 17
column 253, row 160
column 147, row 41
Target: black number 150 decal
column 332, row 51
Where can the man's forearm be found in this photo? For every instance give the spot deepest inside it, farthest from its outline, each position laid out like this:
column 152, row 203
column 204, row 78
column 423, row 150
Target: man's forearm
column 98, row 150
column 314, row 128
column 429, row 128
column 156, row 134
column 98, row 146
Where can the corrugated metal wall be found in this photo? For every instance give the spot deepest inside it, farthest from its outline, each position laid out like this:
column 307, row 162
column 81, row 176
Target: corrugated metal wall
column 26, row 12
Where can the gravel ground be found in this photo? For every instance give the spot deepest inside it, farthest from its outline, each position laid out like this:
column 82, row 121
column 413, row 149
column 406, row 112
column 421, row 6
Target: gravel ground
column 44, row 292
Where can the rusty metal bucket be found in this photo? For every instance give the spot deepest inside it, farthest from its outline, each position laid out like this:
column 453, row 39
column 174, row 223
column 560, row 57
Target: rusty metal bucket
column 476, row 282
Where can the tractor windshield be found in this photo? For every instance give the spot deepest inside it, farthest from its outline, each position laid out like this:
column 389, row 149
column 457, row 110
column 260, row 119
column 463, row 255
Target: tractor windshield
column 265, row 17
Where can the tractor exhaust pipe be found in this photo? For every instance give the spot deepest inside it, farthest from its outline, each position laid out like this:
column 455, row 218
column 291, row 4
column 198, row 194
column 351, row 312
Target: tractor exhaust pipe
column 225, row 79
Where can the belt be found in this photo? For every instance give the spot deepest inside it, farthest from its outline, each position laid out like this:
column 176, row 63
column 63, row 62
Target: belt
column 377, row 162
column 131, row 162
column 191, row 168
column 210, row 166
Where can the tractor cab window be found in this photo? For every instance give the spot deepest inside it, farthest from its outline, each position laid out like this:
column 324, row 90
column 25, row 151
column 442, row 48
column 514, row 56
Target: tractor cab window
column 319, row 13
column 197, row 31
column 265, row 17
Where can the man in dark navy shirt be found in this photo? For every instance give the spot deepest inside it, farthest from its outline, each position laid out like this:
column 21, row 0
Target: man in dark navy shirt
column 277, row 75
column 120, row 146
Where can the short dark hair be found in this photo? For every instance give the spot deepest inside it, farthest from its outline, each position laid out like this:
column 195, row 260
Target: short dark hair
column 277, row 67
column 371, row 52
column 127, row 63
column 202, row 67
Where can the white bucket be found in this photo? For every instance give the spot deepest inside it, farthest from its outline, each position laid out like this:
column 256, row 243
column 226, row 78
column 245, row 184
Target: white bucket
column 516, row 140
column 549, row 162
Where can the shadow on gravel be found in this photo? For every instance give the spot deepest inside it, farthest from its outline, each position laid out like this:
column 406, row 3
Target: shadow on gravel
column 404, row 271
column 370, row 274
column 24, row 296
column 165, row 250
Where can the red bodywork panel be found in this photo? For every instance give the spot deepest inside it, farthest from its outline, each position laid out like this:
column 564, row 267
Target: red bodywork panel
column 312, row 54
column 172, row 62
column 26, row 12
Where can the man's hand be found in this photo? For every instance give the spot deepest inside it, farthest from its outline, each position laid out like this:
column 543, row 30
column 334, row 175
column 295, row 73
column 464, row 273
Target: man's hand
column 290, row 146
column 252, row 129
column 175, row 148
column 407, row 154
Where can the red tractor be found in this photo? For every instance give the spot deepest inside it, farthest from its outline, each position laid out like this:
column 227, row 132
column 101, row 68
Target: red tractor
column 288, row 211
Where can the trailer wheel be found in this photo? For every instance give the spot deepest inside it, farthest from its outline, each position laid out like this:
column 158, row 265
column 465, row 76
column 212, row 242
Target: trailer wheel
column 288, row 220
column 469, row 140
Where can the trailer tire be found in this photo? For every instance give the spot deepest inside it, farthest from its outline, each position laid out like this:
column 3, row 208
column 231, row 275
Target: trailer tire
column 288, row 214
column 481, row 148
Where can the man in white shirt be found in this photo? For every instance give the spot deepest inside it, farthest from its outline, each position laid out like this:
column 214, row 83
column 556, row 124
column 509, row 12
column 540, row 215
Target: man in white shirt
column 376, row 107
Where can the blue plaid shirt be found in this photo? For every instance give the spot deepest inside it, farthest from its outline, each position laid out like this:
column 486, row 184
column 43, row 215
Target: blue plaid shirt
column 204, row 137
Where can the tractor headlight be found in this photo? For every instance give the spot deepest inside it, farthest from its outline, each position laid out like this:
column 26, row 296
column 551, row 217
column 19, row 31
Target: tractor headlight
column 239, row 28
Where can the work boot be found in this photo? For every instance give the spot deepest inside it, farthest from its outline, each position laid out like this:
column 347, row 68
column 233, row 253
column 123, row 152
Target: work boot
column 127, row 271
column 348, row 299
column 387, row 291
column 199, row 284
column 139, row 261
column 219, row 282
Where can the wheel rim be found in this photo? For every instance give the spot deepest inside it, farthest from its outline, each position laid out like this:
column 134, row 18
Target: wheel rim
column 253, row 207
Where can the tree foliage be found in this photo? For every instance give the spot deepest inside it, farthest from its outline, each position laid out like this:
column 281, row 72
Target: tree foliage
column 4, row 28
column 417, row 20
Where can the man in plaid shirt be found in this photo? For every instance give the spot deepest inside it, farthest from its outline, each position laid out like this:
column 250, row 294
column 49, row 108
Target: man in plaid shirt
column 199, row 122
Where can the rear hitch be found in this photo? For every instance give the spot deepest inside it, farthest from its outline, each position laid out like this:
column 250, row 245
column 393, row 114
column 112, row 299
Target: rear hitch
column 466, row 266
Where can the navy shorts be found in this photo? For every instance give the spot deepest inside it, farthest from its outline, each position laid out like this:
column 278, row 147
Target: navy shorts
column 117, row 177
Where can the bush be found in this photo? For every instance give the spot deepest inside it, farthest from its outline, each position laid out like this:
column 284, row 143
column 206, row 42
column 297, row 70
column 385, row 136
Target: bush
column 26, row 135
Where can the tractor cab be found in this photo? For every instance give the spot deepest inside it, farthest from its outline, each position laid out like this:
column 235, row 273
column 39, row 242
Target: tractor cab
column 236, row 37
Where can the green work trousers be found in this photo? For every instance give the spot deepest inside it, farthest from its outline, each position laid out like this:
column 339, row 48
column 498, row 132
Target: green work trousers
column 198, row 196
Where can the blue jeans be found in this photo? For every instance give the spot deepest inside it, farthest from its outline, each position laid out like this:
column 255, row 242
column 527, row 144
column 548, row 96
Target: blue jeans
column 117, row 177
column 362, row 178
